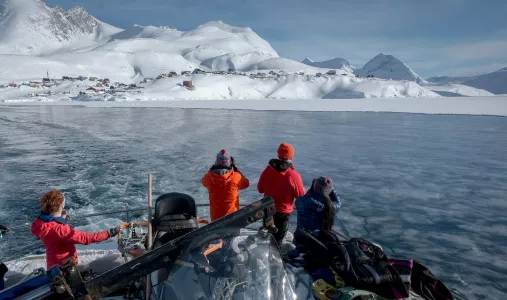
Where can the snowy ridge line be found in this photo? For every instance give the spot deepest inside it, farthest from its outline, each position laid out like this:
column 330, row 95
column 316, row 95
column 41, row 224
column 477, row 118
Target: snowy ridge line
column 37, row 41
column 481, row 106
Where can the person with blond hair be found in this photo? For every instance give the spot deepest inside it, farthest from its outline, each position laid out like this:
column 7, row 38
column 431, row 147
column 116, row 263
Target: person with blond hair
column 58, row 237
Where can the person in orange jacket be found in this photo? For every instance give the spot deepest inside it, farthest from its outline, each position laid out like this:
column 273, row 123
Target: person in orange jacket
column 283, row 183
column 223, row 182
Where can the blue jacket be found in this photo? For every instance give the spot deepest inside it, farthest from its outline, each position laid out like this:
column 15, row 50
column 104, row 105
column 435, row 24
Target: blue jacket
column 310, row 209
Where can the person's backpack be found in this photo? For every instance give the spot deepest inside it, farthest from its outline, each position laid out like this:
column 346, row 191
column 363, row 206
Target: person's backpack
column 371, row 270
column 359, row 262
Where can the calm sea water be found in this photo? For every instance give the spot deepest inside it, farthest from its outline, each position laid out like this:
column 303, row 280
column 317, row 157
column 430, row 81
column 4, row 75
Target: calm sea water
column 427, row 187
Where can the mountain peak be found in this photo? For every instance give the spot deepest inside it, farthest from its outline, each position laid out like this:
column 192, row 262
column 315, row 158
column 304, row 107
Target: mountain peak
column 494, row 82
column 22, row 6
column 386, row 57
column 21, row 3
column 334, row 63
column 447, row 79
column 31, row 27
column 389, row 67
column 307, row 61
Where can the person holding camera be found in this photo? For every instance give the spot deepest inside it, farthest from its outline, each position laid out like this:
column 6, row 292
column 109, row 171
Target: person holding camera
column 224, row 181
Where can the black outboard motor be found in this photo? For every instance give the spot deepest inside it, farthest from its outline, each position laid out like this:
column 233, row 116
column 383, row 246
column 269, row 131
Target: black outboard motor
column 175, row 215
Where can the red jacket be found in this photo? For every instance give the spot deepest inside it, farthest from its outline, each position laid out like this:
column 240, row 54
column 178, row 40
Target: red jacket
column 284, row 184
column 60, row 239
column 224, row 192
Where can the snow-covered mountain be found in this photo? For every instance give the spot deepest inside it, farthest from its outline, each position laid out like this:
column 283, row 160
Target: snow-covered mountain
column 35, row 39
column 457, row 90
column 335, row 63
column 389, row 67
column 447, row 79
column 214, row 46
column 31, row 27
column 494, row 82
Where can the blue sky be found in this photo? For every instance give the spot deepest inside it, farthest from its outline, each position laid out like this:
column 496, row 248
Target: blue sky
column 434, row 37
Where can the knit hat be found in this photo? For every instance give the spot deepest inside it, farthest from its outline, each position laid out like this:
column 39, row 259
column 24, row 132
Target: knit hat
column 285, row 151
column 323, row 185
column 223, row 158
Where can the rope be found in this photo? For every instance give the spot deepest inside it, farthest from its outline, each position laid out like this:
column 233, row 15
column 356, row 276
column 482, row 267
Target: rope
column 132, row 239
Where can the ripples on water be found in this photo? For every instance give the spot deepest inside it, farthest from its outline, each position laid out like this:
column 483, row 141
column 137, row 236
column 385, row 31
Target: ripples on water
column 428, row 187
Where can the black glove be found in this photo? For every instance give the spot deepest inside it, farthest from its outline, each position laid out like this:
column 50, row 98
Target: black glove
column 113, row 231
column 233, row 165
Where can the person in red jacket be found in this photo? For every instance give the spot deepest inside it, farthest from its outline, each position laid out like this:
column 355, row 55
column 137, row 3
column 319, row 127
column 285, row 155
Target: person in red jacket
column 223, row 181
column 284, row 184
column 58, row 237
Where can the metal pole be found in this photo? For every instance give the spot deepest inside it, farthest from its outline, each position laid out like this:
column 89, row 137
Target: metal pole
column 150, row 236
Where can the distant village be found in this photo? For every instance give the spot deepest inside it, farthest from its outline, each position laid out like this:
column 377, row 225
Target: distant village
column 98, row 86
column 95, row 86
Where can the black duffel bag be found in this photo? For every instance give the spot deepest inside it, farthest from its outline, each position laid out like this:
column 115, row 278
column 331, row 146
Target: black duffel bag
column 360, row 263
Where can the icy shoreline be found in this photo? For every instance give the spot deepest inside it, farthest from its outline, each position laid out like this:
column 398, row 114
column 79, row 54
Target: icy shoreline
column 490, row 106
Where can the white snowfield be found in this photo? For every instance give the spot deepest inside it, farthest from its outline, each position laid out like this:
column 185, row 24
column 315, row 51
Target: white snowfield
column 36, row 40
column 285, row 87
column 456, row 90
column 487, row 106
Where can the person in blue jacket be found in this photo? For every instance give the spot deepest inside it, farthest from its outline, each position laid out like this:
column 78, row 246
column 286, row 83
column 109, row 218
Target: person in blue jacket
column 317, row 208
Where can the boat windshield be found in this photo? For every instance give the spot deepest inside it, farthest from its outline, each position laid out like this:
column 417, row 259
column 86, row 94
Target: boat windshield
column 226, row 265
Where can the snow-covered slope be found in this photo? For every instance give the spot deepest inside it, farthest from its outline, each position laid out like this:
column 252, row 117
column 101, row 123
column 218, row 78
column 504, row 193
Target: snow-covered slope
column 229, row 38
column 457, row 90
column 215, row 46
column 495, row 82
column 20, row 68
column 382, row 89
column 388, row 67
column 239, row 62
column 284, row 64
column 148, row 32
column 31, row 27
column 73, row 43
column 286, row 87
column 335, row 63
column 447, row 79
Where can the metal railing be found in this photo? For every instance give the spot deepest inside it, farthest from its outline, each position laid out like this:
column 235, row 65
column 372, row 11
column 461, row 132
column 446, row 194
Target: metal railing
column 130, row 210
column 109, row 212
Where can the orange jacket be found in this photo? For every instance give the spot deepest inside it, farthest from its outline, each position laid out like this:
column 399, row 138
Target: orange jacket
column 224, row 192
